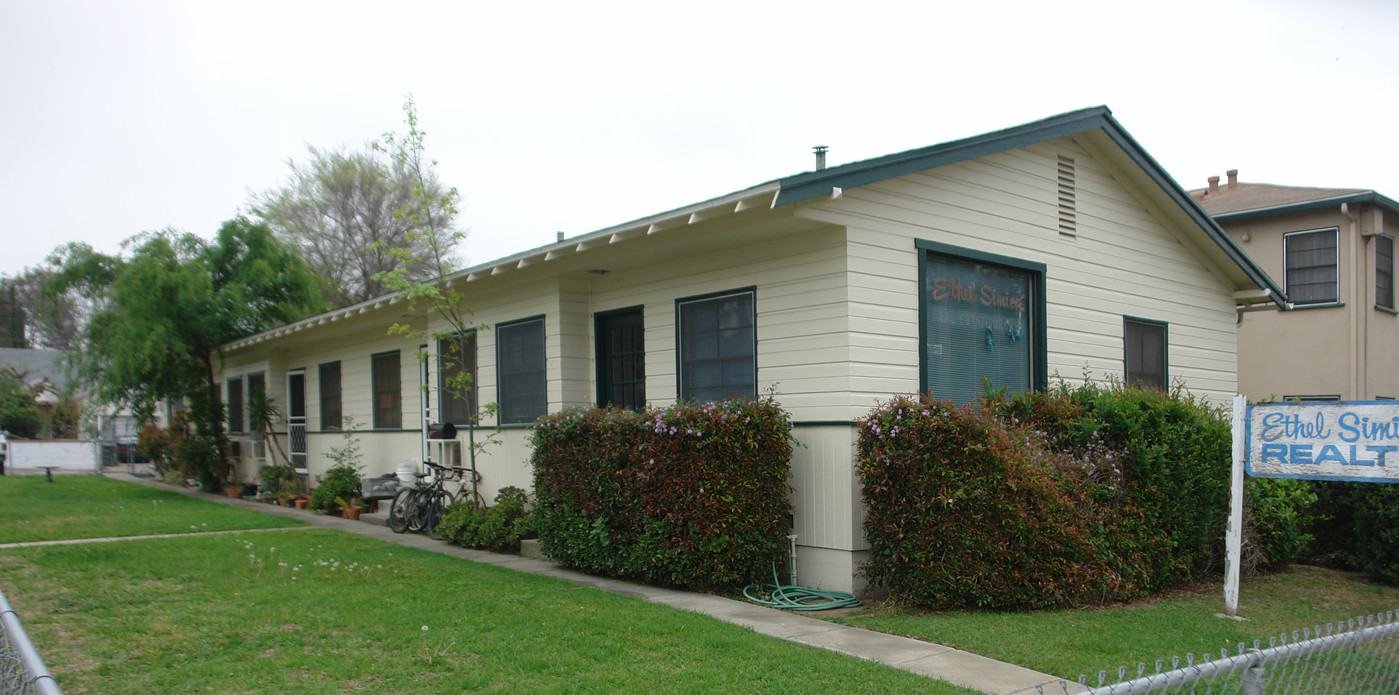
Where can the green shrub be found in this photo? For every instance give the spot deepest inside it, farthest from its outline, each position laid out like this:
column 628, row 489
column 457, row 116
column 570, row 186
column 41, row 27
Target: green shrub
column 1276, row 522
column 499, row 528
column 691, row 495
column 1357, row 527
column 277, row 479
column 966, row 510
column 337, row 481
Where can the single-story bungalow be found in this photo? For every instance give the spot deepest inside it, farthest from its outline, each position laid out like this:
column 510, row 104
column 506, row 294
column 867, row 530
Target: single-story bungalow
column 1055, row 247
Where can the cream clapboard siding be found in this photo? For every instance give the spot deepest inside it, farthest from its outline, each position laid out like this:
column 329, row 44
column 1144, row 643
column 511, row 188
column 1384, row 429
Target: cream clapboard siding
column 1123, row 262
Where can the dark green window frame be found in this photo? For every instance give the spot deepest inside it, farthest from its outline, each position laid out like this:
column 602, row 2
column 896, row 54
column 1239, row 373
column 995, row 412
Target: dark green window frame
column 386, row 384
column 235, row 405
column 328, row 378
column 1384, row 272
column 1311, row 266
column 1038, row 332
column 522, row 379
column 1146, row 353
column 458, row 409
column 733, row 383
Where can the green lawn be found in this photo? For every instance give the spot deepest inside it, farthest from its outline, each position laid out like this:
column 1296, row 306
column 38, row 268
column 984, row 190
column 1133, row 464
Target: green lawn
column 1072, row 642
column 91, row 506
column 322, row 611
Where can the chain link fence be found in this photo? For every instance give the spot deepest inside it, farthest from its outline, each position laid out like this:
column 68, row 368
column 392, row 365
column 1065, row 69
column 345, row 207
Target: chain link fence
column 22, row 672
column 1359, row 657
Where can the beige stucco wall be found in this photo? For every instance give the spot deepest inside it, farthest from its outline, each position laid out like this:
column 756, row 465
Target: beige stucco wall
column 1346, row 350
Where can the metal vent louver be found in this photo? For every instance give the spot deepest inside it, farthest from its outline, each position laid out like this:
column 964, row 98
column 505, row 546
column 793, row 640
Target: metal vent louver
column 1068, row 197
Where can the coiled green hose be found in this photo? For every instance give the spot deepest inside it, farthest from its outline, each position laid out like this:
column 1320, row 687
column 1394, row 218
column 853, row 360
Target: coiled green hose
column 798, row 598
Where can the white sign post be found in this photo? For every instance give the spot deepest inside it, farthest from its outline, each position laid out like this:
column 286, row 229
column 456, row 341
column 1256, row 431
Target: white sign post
column 1355, row 441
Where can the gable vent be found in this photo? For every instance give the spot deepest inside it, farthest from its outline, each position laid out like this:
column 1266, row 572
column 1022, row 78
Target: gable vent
column 1068, row 197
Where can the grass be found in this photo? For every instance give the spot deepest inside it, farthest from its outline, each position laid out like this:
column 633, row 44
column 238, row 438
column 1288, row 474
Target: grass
column 1068, row 643
column 90, row 506
column 323, row 611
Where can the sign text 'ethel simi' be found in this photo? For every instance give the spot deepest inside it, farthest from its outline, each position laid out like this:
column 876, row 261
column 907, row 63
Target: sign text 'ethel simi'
column 1356, row 440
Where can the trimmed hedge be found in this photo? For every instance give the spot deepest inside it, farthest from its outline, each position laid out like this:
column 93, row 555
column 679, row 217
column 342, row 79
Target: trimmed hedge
column 1357, row 527
column 692, row 495
column 1075, row 496
column 499, row 528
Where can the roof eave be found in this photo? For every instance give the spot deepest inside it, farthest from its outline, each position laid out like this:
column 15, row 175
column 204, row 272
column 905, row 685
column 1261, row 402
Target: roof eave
column 1367, row 197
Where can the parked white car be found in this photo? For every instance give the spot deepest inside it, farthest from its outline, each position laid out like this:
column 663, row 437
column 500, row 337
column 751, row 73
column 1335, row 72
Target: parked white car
column 4, row 450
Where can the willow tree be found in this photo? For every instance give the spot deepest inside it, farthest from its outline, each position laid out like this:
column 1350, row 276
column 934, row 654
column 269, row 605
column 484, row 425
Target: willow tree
column 164, row 309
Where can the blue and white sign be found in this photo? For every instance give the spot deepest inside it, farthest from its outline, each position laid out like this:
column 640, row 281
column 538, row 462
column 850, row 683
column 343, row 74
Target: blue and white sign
column 1354, row 441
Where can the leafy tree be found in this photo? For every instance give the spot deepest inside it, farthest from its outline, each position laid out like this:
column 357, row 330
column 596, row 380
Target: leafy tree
column 167, row 310
column 19, row 414
column 11, row 316
column 340, row 210
column 423, row 269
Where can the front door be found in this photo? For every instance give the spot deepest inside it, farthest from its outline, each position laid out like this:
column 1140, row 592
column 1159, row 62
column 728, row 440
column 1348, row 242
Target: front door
column 621, row 359
column 296, row 419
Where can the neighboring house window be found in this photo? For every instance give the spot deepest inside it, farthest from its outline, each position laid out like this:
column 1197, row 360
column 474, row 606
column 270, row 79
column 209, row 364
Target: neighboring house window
column 718, row 347
column 522, row 379
column 388, row 390
column 235, row 405
column 331, row 416
column 1314, row 398
column 1384, row 272
column 1310, row 271
column 457, row 355
column 621, row 359
column 1144, row 343
column 982, row 322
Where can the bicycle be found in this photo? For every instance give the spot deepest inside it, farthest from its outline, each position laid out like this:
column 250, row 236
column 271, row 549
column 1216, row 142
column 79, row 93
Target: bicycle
column 422, row 507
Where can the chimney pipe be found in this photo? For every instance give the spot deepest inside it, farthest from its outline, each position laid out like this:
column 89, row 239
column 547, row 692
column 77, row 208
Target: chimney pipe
column 1233, row 175
column 820, row 151
column 1214, row 185
column 560, row 236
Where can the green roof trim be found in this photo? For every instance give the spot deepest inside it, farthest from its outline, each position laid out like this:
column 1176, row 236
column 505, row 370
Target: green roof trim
column 817, row 184
column 1365, row 197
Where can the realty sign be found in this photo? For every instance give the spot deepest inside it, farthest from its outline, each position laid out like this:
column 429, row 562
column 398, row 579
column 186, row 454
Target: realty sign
column 1353, row 441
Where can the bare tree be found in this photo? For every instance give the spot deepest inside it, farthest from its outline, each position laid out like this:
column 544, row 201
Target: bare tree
column 340, row 211
column 51, row 318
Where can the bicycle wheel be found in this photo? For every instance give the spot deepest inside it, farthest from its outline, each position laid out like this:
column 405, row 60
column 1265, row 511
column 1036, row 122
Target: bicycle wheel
column 400, row 510
column 437, row 503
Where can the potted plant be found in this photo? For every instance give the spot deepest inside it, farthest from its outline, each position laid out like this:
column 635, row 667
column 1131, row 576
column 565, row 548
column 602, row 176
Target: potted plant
column 350, row 510
column 279, row 481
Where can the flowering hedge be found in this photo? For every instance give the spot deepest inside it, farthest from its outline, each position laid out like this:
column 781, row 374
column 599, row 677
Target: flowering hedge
column 691, row 495
column 967, row 510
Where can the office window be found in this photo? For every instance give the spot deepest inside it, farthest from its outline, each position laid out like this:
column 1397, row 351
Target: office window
column 388, row 390
column 621, row 359
column 522, row 379
column 235, row 405
column 982, row 323
column 1145, row 346
column 331, row 414
column 718, row 347
column 1384, row 272
column 457, row 356
column 1310, row 272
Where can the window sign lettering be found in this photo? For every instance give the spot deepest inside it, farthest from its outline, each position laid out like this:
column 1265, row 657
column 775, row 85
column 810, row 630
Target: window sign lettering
column 1352, row 441
column 977, row 326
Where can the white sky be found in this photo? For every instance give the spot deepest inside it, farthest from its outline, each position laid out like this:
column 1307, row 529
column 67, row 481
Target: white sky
column 123, row 117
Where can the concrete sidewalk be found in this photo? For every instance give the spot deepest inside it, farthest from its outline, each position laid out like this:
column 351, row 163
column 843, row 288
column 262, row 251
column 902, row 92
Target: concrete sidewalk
column 923, row 658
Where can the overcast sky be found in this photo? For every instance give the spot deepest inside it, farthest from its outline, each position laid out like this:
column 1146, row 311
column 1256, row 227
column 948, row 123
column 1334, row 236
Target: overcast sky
column 123, row 117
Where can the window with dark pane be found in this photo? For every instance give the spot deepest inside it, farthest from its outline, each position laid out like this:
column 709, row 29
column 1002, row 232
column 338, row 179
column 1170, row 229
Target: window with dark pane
column 718, row 348
column 456, row 355
column 621, row 359
column 1384, row 272
column 235, row 405
column 1145, row 346
column 331, row 417
column 978, row 327
column 385, row 375
column 523, row 379
column 1310, row 272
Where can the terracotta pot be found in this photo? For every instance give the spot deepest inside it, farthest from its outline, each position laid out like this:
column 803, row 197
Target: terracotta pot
column 351, row 513
column 302, row 504
column 235, row 493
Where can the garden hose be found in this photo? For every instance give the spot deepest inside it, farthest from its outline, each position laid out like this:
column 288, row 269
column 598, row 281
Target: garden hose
column 799, row 598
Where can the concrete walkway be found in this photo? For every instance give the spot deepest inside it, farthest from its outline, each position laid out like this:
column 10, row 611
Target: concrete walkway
column 924, row 658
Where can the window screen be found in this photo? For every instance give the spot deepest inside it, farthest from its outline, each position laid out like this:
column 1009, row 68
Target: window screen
column 457, row 356
column 718, row 348
column 388, row 408
column 1311, row 267
column 1145, row 346
column 1384, row 271
column 331, row 414
column 977, row 327
column 235, row 404
column 523, row 384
